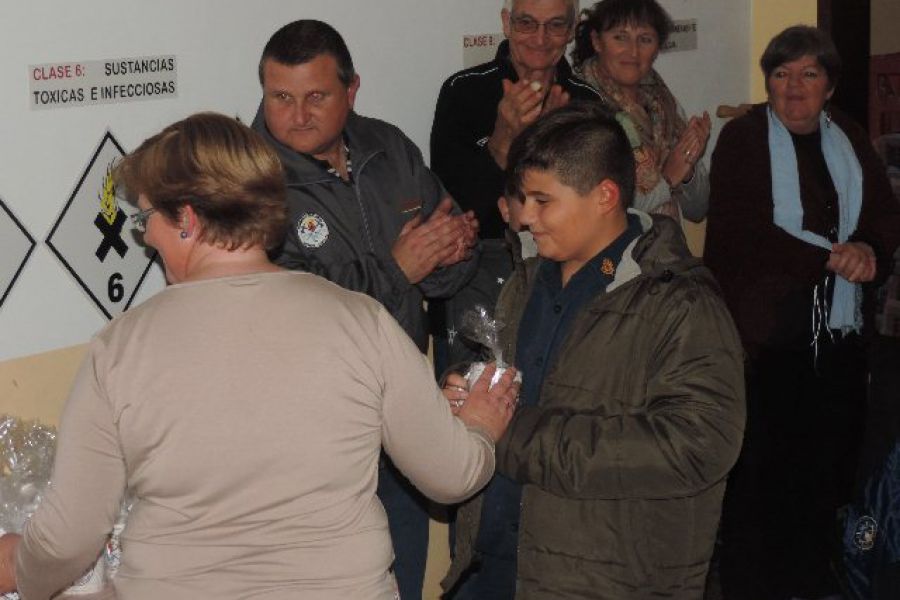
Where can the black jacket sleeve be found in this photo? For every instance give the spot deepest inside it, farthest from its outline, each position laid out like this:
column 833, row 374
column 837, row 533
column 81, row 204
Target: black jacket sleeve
column 459, row 156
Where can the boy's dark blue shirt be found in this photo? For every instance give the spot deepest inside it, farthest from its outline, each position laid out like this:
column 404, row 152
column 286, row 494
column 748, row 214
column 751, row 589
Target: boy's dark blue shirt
column 545, row 324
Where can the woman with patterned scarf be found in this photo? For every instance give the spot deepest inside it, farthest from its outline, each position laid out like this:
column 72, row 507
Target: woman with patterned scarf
column 616, row 43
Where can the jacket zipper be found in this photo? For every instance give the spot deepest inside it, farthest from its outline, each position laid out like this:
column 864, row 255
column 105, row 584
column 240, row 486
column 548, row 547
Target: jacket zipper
column 359, row 203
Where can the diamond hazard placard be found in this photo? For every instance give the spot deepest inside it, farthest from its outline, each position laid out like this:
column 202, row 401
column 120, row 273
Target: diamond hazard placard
column 94, row 239
column 15, row 248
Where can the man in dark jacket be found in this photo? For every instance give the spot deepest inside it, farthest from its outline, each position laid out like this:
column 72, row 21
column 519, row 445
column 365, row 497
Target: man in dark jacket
column 611, row 474
column 871, row 545
column 366, row 213
column 479, row 112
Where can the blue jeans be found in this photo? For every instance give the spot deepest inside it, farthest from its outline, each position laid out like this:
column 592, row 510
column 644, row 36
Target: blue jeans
column 407, row 515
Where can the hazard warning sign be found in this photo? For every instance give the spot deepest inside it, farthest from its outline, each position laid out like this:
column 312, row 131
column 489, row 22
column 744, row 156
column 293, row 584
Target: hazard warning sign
column 15, row 248
column 94, row 239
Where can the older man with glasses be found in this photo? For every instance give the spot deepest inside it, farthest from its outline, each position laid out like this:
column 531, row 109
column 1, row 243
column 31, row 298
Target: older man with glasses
column 479, row 112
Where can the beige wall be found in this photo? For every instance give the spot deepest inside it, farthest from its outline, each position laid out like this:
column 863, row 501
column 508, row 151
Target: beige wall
column 885, row 27
column 769, row 17
column 34, row 387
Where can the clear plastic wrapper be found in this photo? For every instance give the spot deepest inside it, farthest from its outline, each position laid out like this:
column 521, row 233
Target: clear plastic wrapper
column 479, row 326
column 27, row 450
column 92, row 582
column 113, row 550
column 26, row 462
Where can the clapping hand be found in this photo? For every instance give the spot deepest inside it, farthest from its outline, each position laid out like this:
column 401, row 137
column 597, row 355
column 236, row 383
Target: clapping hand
column 466, row 242
column 522, row 103
column 556, row 98
column 687, row 150
column 441, row 240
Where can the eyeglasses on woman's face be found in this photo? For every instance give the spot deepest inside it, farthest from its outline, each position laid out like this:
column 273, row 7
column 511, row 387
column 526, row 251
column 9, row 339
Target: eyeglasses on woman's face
column 139, row 219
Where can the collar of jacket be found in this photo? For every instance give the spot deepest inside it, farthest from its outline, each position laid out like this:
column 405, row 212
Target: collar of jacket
column 521, row 268
column 660, row 253
column 301, row 169
column 514, row 245
column 563, row 71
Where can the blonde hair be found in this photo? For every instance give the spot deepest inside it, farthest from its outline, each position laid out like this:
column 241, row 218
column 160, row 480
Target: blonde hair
column 224, row 171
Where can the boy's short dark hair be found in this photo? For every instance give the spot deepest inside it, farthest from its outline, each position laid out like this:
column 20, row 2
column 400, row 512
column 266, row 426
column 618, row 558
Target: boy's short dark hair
column 299, row 42
column 581, row 143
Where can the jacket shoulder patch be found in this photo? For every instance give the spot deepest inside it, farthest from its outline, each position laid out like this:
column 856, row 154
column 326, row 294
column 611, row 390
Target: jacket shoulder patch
column 312, row 230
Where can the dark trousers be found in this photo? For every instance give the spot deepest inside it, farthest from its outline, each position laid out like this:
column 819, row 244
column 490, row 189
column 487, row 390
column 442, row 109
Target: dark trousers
column 407, row 513
column 874, row 573
column 490, row 579
column 450, row 345
column 804, row 422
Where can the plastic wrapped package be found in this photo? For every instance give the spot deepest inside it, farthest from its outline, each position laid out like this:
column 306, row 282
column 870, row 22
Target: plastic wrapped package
column 27, row 450
column 26, row 462
column 479, row 326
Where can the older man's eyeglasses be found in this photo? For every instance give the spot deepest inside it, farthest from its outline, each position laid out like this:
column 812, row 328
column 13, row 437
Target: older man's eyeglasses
column 554, row 27
column 139, row 219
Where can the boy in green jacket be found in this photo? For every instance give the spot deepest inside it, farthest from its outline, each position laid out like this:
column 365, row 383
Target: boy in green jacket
column 610, row 477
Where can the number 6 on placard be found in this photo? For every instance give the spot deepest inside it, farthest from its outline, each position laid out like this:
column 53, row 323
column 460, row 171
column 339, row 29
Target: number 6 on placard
column 114, row 288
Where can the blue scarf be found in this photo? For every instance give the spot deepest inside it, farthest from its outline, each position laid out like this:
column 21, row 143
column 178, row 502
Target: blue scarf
column 846, row 173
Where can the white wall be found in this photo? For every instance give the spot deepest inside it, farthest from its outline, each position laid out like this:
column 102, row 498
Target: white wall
column 403, row 49
column 716, row 73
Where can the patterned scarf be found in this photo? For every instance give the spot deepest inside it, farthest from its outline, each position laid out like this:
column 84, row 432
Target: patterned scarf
column 656, row 119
